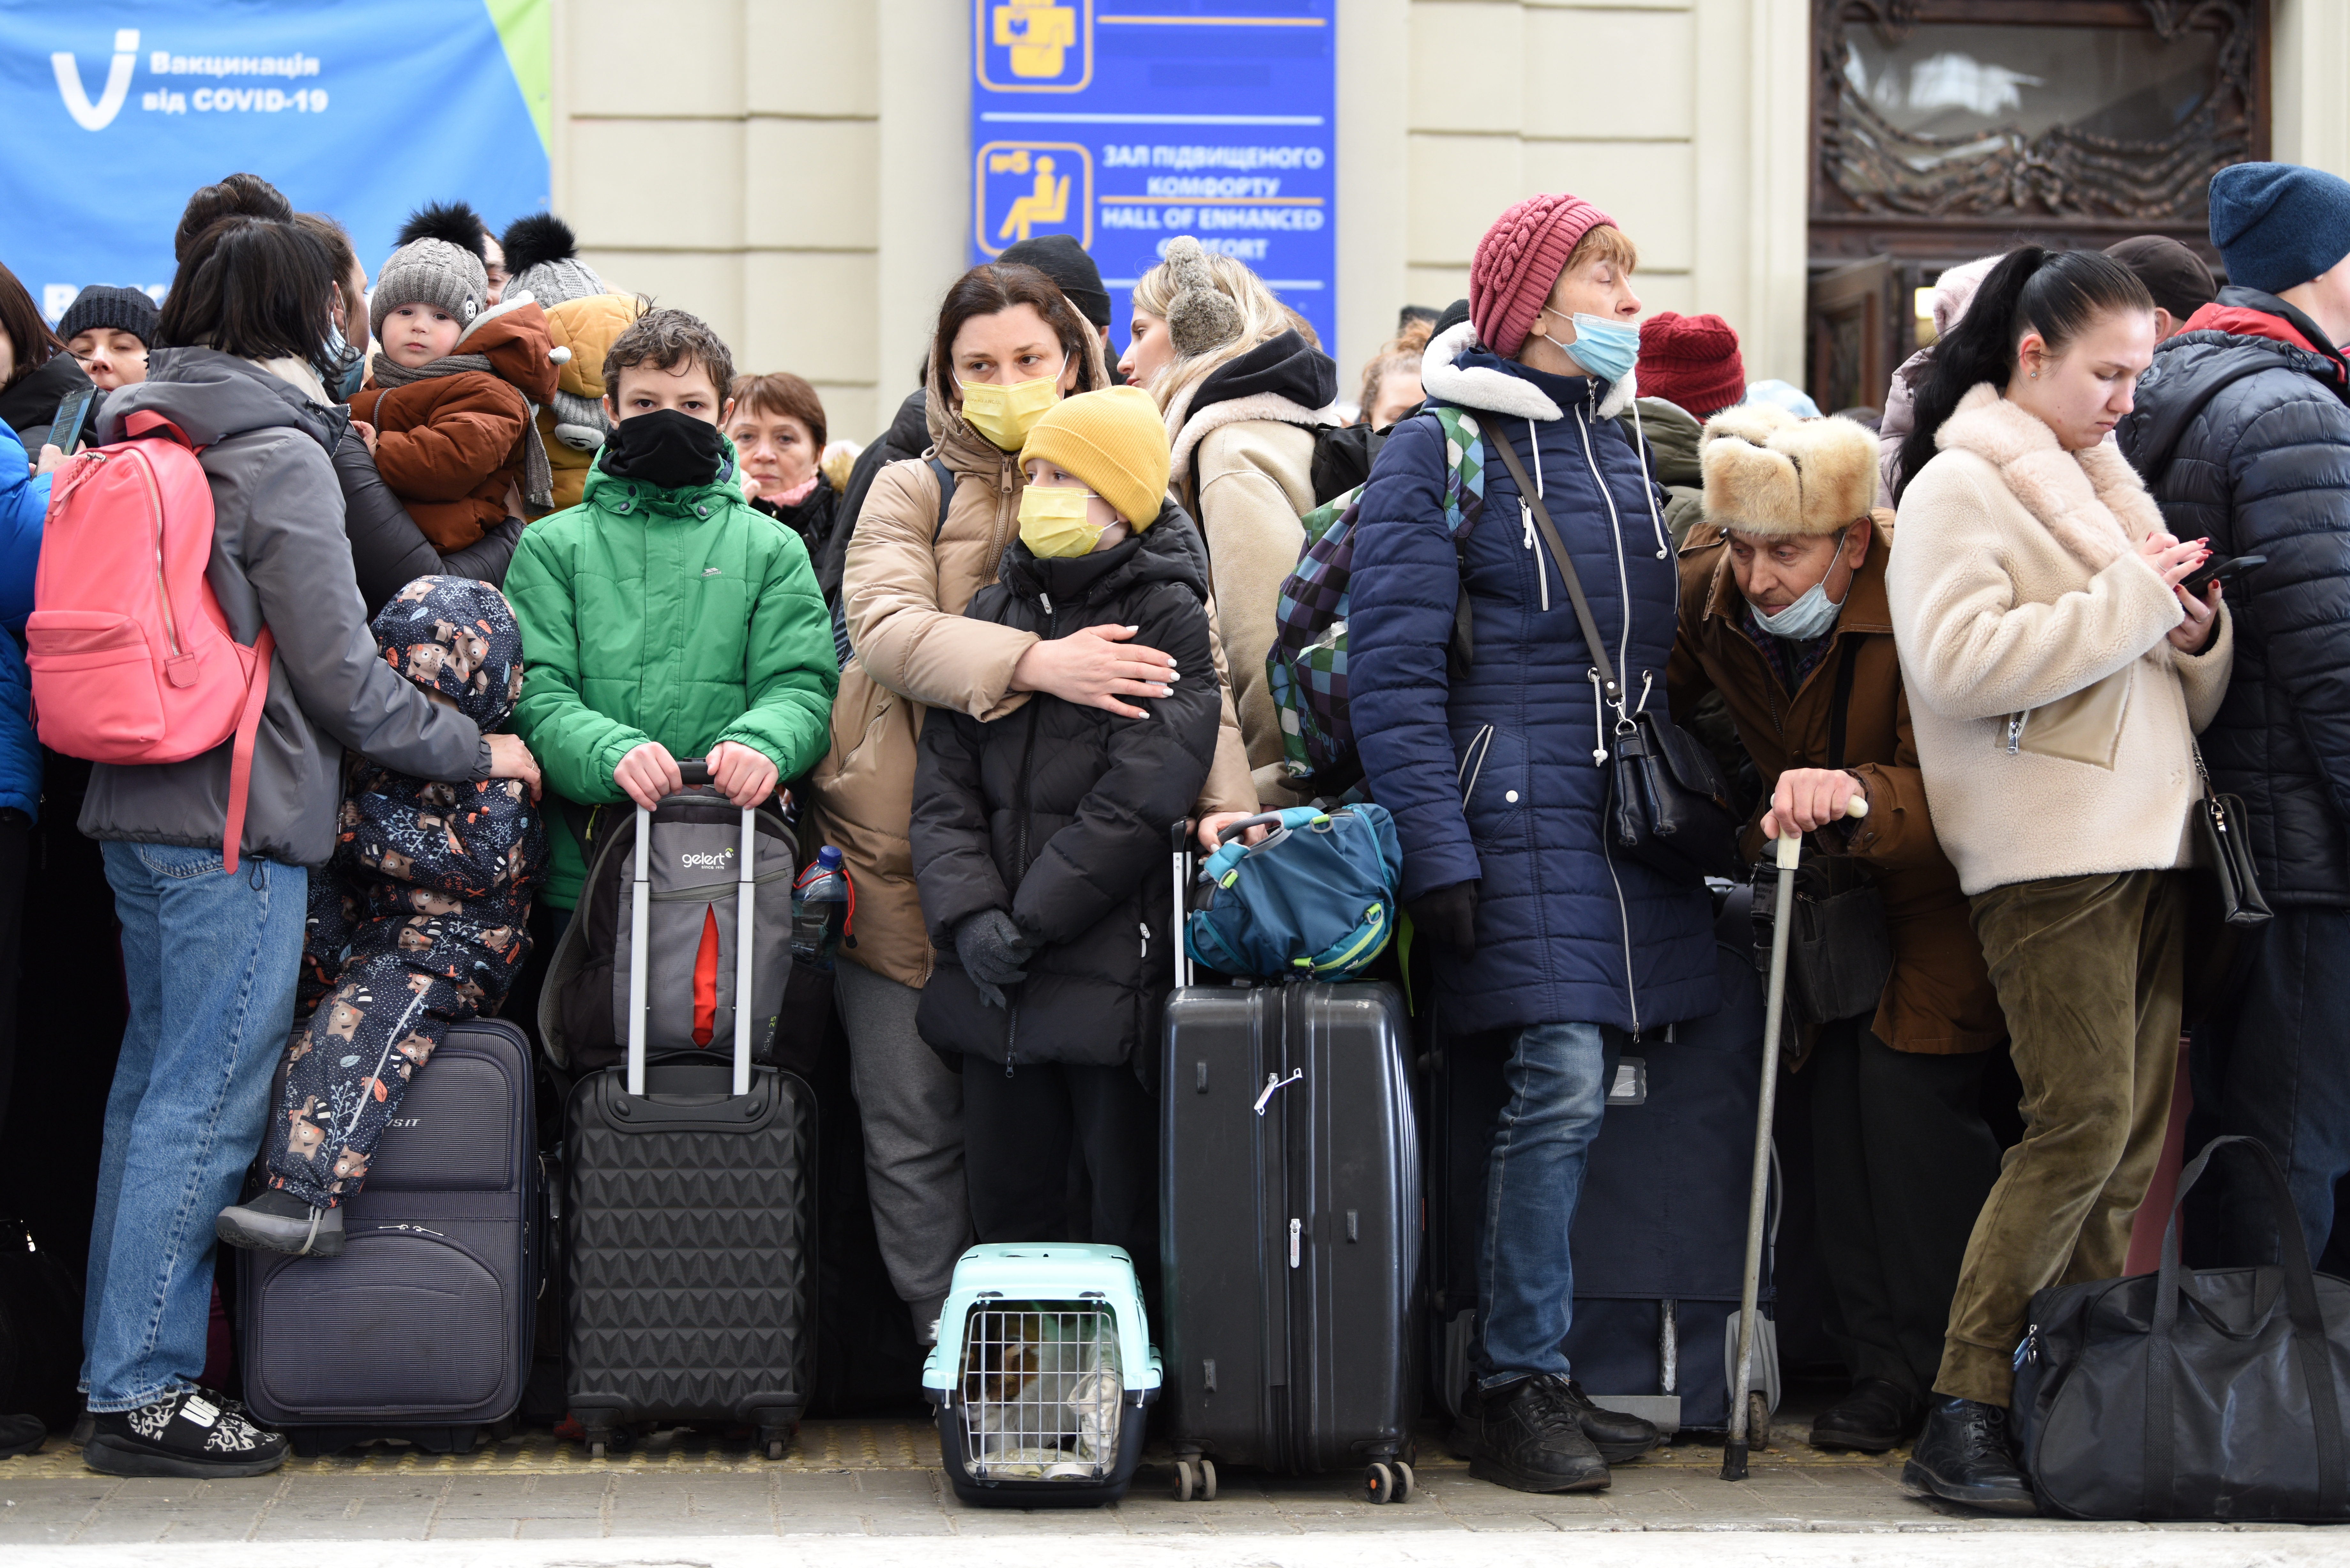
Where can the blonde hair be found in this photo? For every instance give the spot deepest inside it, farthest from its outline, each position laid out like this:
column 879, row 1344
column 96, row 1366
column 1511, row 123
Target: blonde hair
column 1399, row 355
column 1191, row 269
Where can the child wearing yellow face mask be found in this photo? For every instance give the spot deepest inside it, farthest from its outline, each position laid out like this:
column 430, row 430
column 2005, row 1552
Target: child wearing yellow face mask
column 1040, row 841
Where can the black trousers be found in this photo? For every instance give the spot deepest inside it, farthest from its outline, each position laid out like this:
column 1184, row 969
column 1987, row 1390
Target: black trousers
column 1018, row 1133
column 1904, row 1160
column 16, row 841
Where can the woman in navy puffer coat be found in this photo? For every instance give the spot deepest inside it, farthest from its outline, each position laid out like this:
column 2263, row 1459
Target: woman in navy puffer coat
column 1496, row 795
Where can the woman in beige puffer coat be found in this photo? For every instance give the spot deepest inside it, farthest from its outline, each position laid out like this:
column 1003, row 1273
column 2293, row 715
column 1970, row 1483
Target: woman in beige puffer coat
column 910, row 571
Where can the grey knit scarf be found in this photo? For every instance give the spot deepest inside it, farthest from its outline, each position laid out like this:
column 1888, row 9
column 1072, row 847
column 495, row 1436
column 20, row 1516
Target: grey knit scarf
column 537, row 478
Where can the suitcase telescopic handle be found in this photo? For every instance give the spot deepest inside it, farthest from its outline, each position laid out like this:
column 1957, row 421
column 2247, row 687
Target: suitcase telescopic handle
column 1181, row 835
column 695, row 771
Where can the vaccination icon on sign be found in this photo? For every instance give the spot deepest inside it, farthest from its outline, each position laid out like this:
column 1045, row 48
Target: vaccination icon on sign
column 1030, row 188
column 1033, row 45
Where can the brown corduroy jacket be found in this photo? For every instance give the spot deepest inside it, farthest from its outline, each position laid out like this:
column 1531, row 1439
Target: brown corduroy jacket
column 1939, row 1000
column 903, row 590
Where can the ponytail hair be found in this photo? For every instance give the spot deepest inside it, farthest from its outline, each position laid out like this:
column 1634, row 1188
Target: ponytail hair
column 2057, row 293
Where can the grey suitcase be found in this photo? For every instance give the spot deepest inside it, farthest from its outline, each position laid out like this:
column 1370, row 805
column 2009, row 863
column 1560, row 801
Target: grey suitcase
column 1290, row 1228
column 422, row 1329
column 691, row 1207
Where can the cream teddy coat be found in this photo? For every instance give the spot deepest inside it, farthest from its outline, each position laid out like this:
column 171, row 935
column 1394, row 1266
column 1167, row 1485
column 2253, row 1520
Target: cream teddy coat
column 2015, row 581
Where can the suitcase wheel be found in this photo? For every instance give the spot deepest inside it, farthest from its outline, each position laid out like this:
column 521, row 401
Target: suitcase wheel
column 1385, row 1483
column 773, row 1440
column 596, row 1447
column 1195, row 1478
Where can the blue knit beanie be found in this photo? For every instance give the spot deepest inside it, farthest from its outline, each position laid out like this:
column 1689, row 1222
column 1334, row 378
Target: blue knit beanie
column 2277, row 225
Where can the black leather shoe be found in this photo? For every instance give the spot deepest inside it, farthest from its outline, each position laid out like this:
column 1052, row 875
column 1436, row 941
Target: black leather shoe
column 21, row 1435
column 1530, row 1437
column 1875, row 1417
column 1962, row 1456
column 1620, row 1439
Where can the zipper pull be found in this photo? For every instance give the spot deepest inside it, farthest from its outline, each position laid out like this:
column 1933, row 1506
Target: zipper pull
column 2015, row 732
column 1145, row 939
column 1296, row 1232
column 1047, row 599
column 2027, row 1350
column 1526, row 516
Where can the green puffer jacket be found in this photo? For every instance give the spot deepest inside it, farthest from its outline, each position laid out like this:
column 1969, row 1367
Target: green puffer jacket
column 676, row 616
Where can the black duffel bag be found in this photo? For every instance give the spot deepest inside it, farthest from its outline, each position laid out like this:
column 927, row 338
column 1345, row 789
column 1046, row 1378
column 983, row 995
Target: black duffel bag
column 2218, row 1395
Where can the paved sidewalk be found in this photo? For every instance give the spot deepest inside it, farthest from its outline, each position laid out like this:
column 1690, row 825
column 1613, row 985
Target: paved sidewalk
column 845, row 1484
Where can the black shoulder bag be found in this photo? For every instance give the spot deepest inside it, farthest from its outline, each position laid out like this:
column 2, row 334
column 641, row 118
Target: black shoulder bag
column 1840, row 949
column 2219, row 823
column 1667, row 807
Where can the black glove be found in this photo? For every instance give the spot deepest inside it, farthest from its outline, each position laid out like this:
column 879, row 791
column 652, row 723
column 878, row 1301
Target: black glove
column 1448, row 916
column 991, row 949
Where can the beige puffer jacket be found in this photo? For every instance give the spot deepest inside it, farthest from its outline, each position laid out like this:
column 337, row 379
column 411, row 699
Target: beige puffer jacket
column 903, row 595
column 1255, row 467
column 2016, row 588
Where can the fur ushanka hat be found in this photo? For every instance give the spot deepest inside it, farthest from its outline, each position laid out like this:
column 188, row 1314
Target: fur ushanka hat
column 1769, row 472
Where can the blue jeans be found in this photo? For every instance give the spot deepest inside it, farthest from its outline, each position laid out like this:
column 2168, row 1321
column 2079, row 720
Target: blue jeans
column 190, row 1099
column 1556, row 1078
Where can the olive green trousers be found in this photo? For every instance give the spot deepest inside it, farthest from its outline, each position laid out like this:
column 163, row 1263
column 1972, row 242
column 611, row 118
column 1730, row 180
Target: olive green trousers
column 2088, row 973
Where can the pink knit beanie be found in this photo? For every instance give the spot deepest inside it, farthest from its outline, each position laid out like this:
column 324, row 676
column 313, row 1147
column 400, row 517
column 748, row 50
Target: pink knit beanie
column 1519, row 259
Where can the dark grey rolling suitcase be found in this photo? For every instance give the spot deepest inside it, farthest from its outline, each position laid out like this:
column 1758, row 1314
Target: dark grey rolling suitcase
column 1290, row 1228
column 422, row 1329
column 690, row 1214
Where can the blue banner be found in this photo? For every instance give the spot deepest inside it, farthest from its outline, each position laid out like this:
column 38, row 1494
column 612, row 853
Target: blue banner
column 1128, row 122
column 361, row 109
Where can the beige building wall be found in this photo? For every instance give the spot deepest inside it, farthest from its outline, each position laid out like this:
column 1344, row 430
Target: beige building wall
column 796, row 169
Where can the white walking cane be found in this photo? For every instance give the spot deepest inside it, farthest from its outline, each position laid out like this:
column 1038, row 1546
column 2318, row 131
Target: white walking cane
column 1791, row 850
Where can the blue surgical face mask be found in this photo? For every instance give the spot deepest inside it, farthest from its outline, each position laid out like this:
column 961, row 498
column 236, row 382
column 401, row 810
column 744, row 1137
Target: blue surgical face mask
column 1607, row 348
column 1810, row 615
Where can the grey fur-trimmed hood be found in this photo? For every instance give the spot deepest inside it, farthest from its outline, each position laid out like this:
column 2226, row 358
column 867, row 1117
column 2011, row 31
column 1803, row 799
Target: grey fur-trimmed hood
column 1450, row 369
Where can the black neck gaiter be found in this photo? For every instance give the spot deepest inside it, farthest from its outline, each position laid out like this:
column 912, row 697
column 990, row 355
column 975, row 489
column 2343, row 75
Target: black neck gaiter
column 668, row 449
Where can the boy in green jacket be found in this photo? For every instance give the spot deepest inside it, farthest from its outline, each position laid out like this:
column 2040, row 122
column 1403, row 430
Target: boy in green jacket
column 662, row 618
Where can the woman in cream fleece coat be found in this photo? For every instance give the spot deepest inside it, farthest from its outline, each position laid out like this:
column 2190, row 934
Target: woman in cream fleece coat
column 2056, row 679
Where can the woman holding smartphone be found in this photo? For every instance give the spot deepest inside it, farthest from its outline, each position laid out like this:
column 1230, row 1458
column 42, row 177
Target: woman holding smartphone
column 2057, row 676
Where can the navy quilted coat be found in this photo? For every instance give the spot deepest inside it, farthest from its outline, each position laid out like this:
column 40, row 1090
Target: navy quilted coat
column 1490, row 775
column 2246, row 440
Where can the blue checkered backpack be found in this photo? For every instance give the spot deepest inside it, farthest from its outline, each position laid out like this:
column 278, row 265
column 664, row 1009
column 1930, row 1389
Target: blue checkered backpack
column 1306, row 668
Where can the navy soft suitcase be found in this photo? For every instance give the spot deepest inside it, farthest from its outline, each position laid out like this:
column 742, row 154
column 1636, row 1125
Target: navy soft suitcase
column 422, row 1329
column 1660, row 1235
column 1290, row 1229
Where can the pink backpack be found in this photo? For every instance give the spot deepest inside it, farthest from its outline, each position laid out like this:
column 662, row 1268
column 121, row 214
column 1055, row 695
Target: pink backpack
column 131, row 657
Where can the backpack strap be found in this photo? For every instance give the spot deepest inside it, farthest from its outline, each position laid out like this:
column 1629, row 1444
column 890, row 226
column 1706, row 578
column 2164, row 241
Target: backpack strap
column 240, row 766
column 140, row 422
column 946, row 492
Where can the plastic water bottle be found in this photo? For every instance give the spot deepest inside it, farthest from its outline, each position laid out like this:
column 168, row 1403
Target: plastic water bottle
column 821, row 900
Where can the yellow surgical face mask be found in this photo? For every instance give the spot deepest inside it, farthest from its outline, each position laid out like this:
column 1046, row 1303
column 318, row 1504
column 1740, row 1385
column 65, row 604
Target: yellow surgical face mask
column 1052, row 523
column 1005, row 415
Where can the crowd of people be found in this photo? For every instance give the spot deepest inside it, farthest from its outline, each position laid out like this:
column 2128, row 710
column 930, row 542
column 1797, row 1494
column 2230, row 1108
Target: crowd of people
column 521, row 543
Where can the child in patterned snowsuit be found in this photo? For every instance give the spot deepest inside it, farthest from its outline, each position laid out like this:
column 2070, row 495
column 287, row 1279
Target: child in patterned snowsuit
column 419, row 922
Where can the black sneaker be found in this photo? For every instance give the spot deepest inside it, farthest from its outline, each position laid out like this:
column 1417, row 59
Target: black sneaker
column 277, row 1222
column 1962, row 1456
column 1620, row 1439
column 1530, row 1437
column 21, row 1435
column 1875, row 1417
column 189, row 1435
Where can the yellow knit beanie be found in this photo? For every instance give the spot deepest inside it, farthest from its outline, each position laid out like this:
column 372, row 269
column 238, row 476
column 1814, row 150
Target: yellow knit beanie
column 1115, row 441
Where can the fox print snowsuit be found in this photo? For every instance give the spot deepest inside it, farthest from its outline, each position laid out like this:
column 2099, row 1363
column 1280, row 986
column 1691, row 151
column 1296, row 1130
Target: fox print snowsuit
column 420, row 920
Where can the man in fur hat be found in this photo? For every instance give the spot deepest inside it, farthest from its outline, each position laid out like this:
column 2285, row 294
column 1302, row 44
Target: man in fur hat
column 1783, row 612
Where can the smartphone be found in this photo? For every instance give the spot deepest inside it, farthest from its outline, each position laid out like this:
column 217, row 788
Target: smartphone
column 65, row 430
column 2198, row 582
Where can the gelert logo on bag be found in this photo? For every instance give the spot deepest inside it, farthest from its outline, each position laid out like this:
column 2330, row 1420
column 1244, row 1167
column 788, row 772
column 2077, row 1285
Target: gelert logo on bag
column 699, row 862
column 99, row 116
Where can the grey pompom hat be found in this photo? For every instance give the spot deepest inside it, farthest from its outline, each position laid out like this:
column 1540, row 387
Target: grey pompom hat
column 430, row 272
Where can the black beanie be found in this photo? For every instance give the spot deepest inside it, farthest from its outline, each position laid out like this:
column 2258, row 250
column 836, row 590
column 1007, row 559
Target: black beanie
column 101, row 306
column 1062, row 259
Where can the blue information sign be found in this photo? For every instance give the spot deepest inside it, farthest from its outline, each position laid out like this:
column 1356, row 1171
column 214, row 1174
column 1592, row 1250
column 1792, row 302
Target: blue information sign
column 1128, row 122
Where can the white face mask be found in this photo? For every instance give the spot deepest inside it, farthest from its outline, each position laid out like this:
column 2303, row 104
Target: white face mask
column 1810, row 615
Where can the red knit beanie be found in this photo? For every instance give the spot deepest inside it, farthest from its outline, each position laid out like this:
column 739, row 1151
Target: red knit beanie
column 1517, row 261
column 1691, row 361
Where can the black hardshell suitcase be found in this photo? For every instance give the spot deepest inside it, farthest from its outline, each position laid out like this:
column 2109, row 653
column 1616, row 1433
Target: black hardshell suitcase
column 1659, row 1234
column 1290, row 1228
column 690, row 1218
column 422, row 1328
